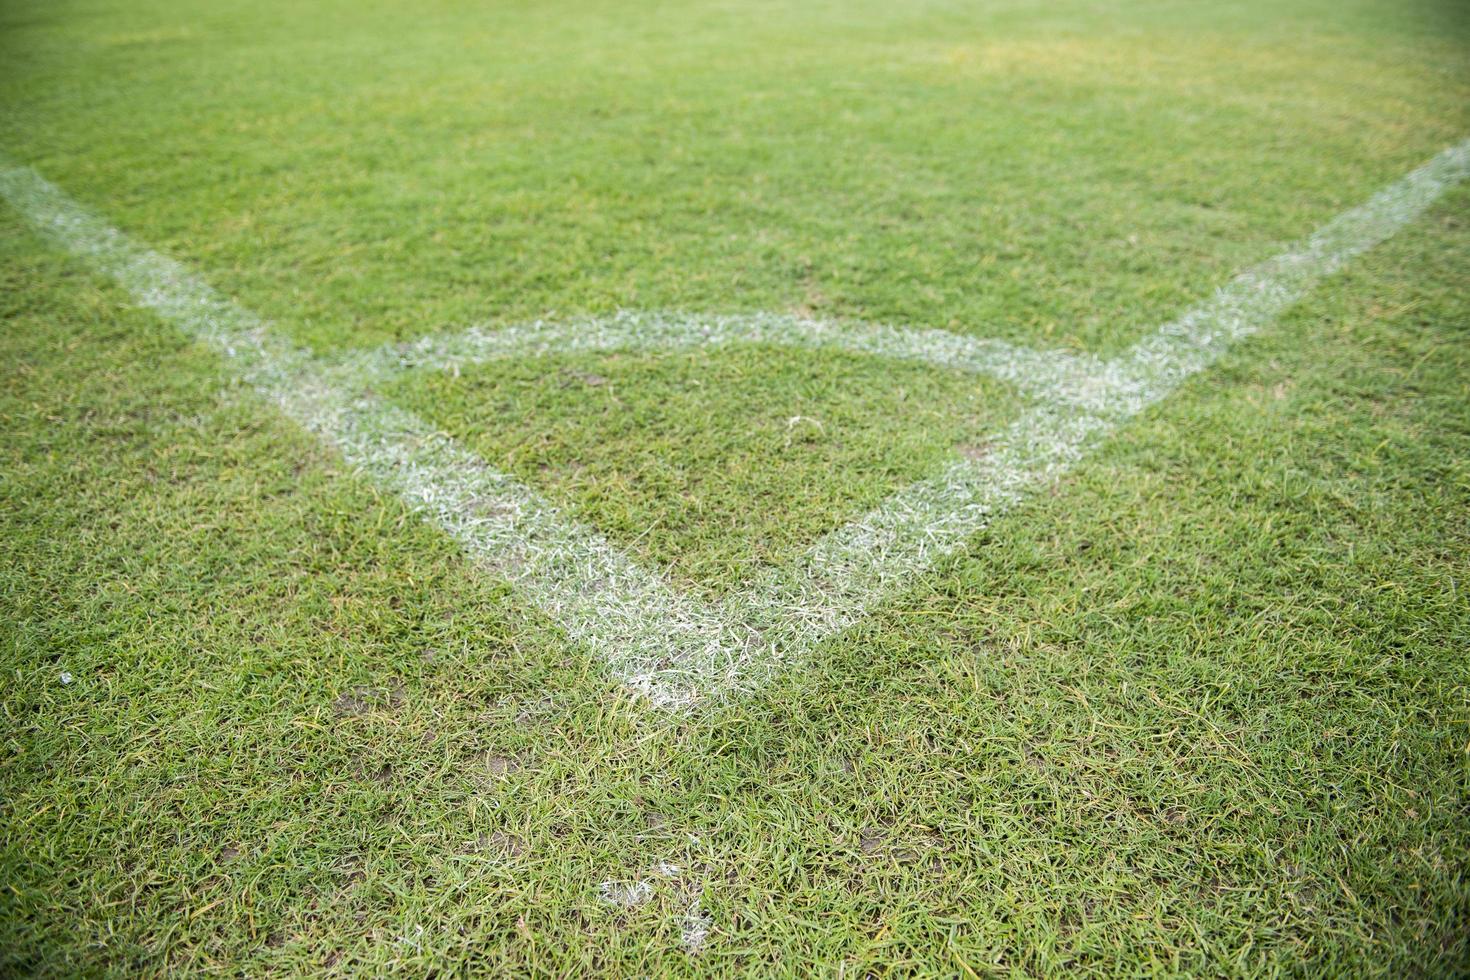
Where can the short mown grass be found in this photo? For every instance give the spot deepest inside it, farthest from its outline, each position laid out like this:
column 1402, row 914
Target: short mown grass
column 1201, row 708
column 715, row 464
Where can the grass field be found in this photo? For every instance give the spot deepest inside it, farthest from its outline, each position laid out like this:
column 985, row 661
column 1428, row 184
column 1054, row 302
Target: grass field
column 1198, row 705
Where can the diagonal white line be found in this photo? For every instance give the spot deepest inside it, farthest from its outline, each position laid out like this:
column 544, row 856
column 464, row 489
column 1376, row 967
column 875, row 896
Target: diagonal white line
column 629, row 616
column 850, row 569
column 670, row 646
column 1158, row 363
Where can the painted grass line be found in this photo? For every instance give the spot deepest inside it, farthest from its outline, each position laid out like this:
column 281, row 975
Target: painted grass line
column 1079, row 379
column 670, row 646
column 628, row 616
column 848, row 571
column 1158, row 363
column 856, row 566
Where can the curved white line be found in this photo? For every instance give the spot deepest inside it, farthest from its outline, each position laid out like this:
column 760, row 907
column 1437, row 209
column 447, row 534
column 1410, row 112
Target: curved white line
column 670, row 646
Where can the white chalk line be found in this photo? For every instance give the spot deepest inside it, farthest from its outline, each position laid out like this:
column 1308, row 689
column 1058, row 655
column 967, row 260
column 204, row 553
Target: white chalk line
column 670, row 646
column 850, row 569
column 1076, row 379
column 593, row 591
column 845, row 572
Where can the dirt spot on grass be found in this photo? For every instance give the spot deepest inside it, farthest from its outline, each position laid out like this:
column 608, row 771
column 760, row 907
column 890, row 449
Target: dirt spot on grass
column 1303, row 890
column 378, row 772
column 362, row 699
column 500, row 844
column 1036, row 760
column 351, row 874
column 228, row 853
column 588, row 378
column 900, row 848
column 976, row 451
column 492, row 764
column 532, row 714
column 352, row 703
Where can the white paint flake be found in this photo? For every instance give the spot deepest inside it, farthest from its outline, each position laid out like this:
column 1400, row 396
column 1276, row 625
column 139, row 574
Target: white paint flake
column 675, row 885
column 695, row 928
column 672, row 647
column 625, row 894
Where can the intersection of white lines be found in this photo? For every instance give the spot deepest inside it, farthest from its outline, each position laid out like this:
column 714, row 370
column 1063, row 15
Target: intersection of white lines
column 670, row 646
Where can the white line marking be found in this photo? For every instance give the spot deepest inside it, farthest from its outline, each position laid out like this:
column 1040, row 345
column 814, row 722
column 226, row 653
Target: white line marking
column 1079, row 379
column 669, row 880
column 850, row 569
column 670, row 646
column 629, row 616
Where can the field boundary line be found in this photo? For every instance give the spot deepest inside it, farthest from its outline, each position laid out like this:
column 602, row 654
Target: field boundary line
column 1055, row 376
column 629, row 616
column 670, row 646
column 850, row 569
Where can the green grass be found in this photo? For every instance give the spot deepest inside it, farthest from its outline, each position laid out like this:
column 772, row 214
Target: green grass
column 1203, row 707
column 715, row 464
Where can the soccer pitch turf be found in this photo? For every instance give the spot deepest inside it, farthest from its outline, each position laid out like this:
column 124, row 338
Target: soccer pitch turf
column 955, row 489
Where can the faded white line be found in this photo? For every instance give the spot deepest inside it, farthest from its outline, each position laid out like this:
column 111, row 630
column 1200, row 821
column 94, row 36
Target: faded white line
column 1079, row 379
column 846, row 572
column 651, row 636
column 674, row 884
column 670, row 646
